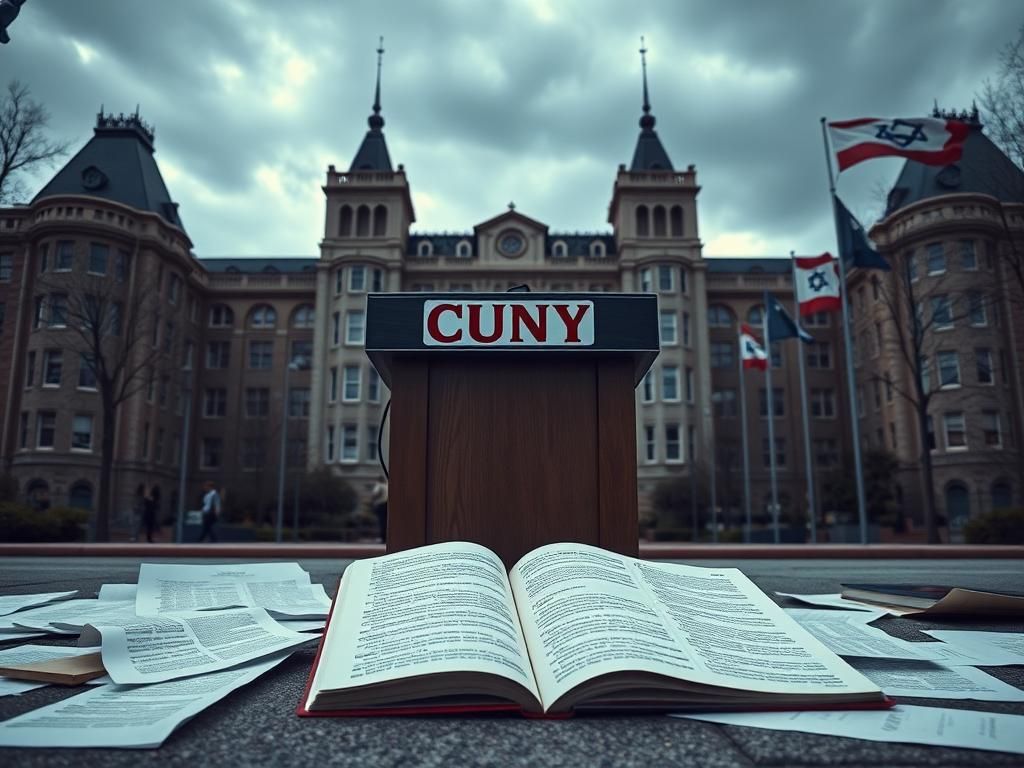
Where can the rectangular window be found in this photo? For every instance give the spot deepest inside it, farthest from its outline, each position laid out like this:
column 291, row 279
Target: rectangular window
column 931, row 432
column 650, row 444
column 64, row 257
column 968, row 257
column 689, row 384
column 936, row 259
column 778, row 402
column 212, row 453
column 338, row 280
column 261, row 354
column 44, row 257
column 942, row 312
column 218, row 354
column 983, row 359
column 724, row 401
column 81, row 432
column 377, row 281
column 349, row 443
column 826, row 452
column 46, row 429
column 23, row 430
column 357, row 279
column 682, row 280
column 647, row 388
column 646, row 283
column 58, row 310
column 956, row 430
column 976, row 308
column 355, row 327
column 6, row 267
column 336, row 328
column 686, row 328
column 302, row 352
column 780, row 452
column 116, row 324
column 817, row 320
column 39, row 312
column 98, row 255
column 351, row 383
column 329, row 450
column 53, row 367
column 86, row 372
column 949, row 369
column 121, row 262
column 823, row 403
column 670, row 383
column 371, row 443
column 673, row 443
column 174, row 289
column 666, row 278
column 722, row 354
column 257, row 402
column 30, row 369
column 298, row 403
column 991, row 429
column 215, row 403
column 332, row 385
column 819, row 354
column 254, row 453
column 668, row 327
column 373, row 386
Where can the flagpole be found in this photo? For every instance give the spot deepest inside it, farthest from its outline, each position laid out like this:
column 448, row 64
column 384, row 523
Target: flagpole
column 770, row 398
column 746, row 451
column 858, row 468
column 812, row 508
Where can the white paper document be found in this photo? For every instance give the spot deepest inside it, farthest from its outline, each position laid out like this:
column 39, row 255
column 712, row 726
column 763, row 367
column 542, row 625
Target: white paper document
column 117, row 592
column 928, row 679
column 137, row 716
column 835, row 600
column 992, row 649
column 284, row 589
column 70, row 616
column 11, row 603
column 29, row 654
column 905, row 724
column 155, row 649
column 847, row 633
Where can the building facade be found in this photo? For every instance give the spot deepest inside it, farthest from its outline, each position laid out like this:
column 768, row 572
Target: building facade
column 236, row 362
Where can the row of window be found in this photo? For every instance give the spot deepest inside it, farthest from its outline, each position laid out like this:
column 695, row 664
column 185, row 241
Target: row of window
column 657, row 221
column 935, row 258
column 52, row 373
column 260, row 353
column 669, row 328
column 362, row 221
column 662, row 279
column 352, row 384
column 261, row 317
column 343, row 445
column 822, row 403
column 954, row 430
column 98, row 259
column 355, row 327
column 45, row 438
column 670, row 385
column 672, row 444
column 360, row 279
column 721, row 316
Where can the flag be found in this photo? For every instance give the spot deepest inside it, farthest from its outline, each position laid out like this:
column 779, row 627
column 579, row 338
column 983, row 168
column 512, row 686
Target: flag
column 854, row 247
column 751, row 352
column 780, row 324
column 817, row 284
column 928, row 140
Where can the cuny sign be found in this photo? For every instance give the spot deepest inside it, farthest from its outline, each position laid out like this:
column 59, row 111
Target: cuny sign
column 464, row 323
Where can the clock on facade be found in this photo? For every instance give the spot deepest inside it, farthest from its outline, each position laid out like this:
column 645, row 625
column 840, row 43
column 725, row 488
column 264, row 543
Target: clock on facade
column 511, row 243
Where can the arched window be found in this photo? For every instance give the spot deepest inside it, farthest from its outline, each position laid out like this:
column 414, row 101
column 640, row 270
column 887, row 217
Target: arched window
column 659, row 221
column 38, row 493
column 720, row 316
column 363, row 221
column 345, row 221
column 380, row 221
column 559, row 249
column 270, row 269
column 958, row 504
column 676, row 220
column 463, row 249
column 597, row 250
column 643, row 223
column 221, row 316
column 262, row 316
column 425, row 249
column 80, row 495
column 303, row 316
column 756, row 315
column 1002, row 494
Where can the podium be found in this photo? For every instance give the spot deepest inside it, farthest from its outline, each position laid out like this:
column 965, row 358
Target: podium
column 513, row 419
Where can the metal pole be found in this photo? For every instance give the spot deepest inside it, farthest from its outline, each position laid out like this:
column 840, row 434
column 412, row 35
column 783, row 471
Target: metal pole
column 179, row 533
column 714, row 490
column 862, row 509
column 278, row 532
column 812, row 509
column 746, row 452
column 770, row 397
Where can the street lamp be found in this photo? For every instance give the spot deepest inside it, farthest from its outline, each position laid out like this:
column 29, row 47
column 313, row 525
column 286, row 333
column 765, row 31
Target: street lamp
column 298, row 363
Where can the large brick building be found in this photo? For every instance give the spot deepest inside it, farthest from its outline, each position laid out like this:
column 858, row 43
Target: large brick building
column 225, row 339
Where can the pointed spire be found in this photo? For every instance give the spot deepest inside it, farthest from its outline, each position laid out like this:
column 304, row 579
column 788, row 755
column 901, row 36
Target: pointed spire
column 373, row 152
column 643, row 66
column 649, row 154
column 376, row 121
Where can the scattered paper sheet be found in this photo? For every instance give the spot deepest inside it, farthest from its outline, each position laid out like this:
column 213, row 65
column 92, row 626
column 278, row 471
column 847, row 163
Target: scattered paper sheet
column 18, row 635
column 835, row 600
column 301, row 625
column 907, row 724
column 27, row 654
column 117, row 592
column 847, row 634
column 284, row 589
column 994, row 649
column 127, row 716
column 11, row 603
column 71, row 615
column 929, row 679
column 152, row 650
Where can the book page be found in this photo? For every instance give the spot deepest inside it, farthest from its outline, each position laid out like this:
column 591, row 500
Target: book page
column 587, row 612
column 435, row 609
column 847, row 633
column 11, row 603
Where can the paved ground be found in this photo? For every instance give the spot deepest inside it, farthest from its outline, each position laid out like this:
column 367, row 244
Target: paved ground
column 256, row 725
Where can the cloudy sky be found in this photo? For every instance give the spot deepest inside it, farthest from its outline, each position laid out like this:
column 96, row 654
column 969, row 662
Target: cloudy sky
column 534, row 101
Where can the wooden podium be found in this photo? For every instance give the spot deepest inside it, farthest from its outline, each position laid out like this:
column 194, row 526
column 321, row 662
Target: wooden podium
column 512, row 416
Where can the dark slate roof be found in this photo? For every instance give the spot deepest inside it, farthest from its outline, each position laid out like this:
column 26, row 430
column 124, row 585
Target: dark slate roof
column 443, row 243
column 117, row 164
column 577, row 243
column 264, row 265
column 649, row 155
column 983, row 168
column 373, row 153
column 748, row 265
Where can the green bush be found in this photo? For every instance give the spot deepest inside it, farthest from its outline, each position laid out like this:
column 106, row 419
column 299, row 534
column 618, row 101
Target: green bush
column 20, row 523
column 1000, row 526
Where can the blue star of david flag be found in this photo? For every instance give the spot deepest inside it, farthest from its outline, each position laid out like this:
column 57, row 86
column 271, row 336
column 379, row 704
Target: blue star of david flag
column 780, row 324
column 854, row 246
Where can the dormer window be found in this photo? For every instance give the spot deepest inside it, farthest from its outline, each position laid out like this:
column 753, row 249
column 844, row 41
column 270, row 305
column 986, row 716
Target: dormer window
column 463, row 250
column 597, row 250
column 560, row 250
column 425, row 249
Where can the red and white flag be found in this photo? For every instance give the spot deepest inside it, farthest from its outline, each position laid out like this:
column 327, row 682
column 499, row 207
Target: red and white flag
column 817, row 284
column 751, row 351
column 928, row 140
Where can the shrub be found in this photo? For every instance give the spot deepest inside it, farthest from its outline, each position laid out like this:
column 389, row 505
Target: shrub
column 1000, row 526
column 20, row 523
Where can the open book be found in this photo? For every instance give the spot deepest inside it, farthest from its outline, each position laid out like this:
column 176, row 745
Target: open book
column 442, row 628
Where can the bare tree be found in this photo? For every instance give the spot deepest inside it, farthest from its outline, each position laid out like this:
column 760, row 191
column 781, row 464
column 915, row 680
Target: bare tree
column 108, row 321
column 1002, row 100
column 23, row 141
